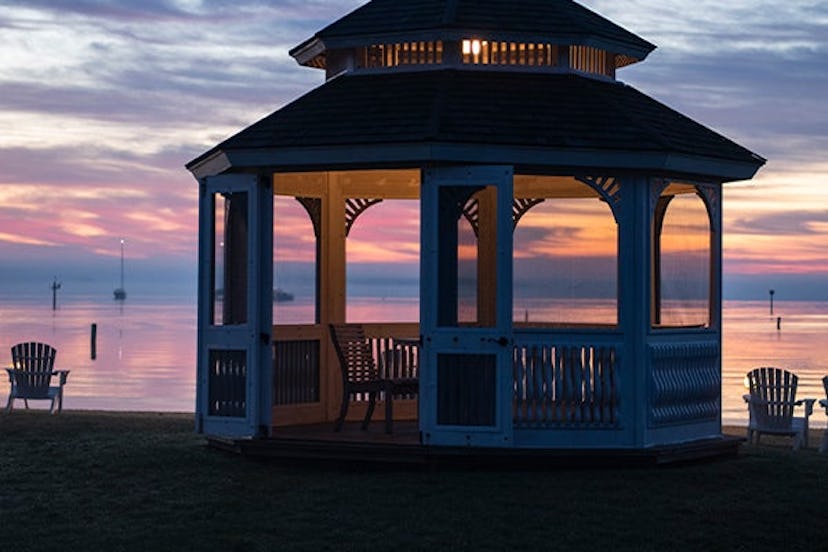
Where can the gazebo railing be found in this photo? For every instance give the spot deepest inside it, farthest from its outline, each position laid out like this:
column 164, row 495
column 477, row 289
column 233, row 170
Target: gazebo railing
column 297, row 368
column 562, row 380
column 296, row 371
column 297, row 364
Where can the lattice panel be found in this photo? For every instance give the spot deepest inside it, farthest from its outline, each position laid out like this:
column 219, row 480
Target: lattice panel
column 686, row 383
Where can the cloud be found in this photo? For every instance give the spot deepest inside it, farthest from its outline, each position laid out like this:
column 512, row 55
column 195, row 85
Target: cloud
column 23, row 240
column 103, row 102
column 752, row 70
column 797, row 223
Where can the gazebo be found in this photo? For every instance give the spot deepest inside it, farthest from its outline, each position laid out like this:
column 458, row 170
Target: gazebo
column 570, row 237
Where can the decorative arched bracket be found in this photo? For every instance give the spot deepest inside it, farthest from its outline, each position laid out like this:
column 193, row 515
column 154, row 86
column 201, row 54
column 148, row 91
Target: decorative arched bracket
column 471, row 210
column 708, row 192
column 313, row 206
column 711, row 194
column 521, row 206
column 353, row 208
column 656, row 189
column 466, row 205
column 608, row 188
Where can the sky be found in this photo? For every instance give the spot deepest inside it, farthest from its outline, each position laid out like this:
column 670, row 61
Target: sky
column 102, row 102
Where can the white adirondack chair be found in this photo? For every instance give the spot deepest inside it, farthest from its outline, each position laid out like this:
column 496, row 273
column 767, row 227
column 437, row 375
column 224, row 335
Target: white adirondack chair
column 823, row 447
column 31, row 374
column 771, row 403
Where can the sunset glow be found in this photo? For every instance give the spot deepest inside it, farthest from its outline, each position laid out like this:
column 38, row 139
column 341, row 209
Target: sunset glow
column 103, row 104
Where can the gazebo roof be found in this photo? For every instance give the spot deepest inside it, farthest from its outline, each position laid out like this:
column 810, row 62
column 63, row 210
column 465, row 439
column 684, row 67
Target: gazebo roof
column 558, row 21
column 530, row 119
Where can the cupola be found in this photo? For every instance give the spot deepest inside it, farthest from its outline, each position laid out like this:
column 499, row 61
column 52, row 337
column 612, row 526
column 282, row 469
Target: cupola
column 523, row 35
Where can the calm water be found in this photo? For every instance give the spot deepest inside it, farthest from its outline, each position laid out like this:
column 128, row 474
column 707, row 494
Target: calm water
column 145, row 351
column 146, row 348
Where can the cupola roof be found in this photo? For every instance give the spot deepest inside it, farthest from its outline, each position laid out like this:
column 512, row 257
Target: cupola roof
column 562, row 22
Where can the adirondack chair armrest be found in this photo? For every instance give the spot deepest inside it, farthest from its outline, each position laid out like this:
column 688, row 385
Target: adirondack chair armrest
column 824, row 404
column 63, row 374
column 752, row 400
column 10, row 372
column 809, row 406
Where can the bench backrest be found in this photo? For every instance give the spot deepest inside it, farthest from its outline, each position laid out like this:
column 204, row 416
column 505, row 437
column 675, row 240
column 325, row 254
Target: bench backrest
column 354, row 352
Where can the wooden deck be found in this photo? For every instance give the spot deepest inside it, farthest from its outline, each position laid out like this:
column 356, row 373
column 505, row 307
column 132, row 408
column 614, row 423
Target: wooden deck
column 374, row 448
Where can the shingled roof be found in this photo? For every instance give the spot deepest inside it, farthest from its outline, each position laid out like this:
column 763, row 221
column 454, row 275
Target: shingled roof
column 563, row 113
column 551, row 20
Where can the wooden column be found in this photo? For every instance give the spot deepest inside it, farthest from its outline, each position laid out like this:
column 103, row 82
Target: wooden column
column 487, row 257
column 332, row 284
column 263, row 255
column 661, row 205
column 635, row 276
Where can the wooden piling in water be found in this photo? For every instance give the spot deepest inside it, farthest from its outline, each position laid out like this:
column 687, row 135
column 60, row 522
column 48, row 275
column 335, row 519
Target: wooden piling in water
column 93, row 339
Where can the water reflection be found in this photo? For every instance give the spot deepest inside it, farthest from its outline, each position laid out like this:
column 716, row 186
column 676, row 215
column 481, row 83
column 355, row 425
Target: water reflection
column 751, row 339
column 146, row 352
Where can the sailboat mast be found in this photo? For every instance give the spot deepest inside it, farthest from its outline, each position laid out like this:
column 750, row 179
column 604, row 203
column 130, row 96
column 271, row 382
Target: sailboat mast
column 122, row 264
column 120, row 293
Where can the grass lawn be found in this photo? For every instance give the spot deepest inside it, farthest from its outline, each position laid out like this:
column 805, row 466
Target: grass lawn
column 124, row 481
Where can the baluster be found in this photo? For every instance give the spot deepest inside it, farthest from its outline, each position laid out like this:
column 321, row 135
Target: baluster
column 589, row 398
column 537, row 373
column 572, row 369
column 517, row 370
column 559, row 385
column 598, row 379
column 548, row 383
column 613, row 385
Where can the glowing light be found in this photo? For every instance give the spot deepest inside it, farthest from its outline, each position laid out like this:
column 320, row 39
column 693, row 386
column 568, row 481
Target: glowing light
column 472, row 47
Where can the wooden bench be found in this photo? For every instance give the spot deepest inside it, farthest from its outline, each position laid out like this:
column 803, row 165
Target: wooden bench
column 360, row 375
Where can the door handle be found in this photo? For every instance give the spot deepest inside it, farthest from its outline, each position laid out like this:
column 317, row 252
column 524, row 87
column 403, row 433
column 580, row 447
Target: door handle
column 502, row 341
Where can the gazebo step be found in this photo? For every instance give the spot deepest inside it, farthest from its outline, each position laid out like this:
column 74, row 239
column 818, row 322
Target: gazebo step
column 373, row 448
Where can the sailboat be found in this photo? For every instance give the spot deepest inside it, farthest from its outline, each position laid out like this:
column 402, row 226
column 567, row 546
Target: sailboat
column 120, row 293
